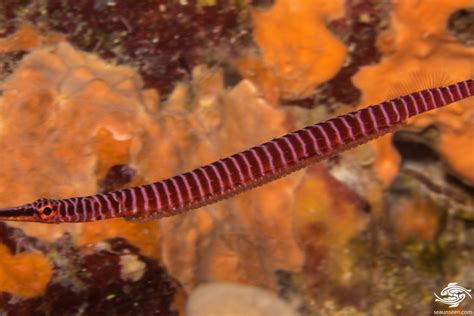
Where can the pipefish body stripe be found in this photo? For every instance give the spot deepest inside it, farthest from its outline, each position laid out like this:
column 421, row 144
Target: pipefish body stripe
column 244, row 170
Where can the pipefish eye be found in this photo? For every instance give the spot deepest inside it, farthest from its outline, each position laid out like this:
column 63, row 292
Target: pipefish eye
column 47, row 212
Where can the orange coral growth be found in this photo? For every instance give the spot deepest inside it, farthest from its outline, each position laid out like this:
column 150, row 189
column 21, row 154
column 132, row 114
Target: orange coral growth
column 461, row 160
column 90, row 103
column 110, row 151
column 80, row 116
column 25, row 275
column 144, row 235
column 26, row 38
column 252, row 68
column 416, row 218
column 416, row 50
column 247, row 237
column 327, row 215
column 297, row 45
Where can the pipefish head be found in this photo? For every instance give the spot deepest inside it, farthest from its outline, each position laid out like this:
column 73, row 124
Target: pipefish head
column 42, row 210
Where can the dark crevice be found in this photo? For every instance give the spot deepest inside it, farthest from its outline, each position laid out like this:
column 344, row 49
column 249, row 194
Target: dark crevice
column 456, row 182
column 410, row 149
column 461, row 26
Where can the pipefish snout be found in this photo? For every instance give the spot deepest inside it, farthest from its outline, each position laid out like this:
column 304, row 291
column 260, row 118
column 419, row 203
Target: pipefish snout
column 244, row 170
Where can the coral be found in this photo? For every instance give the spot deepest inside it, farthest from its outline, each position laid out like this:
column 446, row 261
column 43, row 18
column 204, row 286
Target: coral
column 70, row 93
column 27, row 38
column 460, row 161
column 296, row 46
column 63, row 89
column 359, row 28
column 14, row 46
column 412, row 52
column 144, row 235
column 416, row 218
column 251, row 67
column 24, row 275
column 249, row 236
column 328, row 216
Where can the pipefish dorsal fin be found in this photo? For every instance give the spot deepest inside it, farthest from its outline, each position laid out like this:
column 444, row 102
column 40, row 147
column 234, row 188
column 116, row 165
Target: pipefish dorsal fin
column 420, row 80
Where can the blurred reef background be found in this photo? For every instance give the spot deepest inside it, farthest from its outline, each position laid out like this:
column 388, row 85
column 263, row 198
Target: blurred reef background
column 97, row 95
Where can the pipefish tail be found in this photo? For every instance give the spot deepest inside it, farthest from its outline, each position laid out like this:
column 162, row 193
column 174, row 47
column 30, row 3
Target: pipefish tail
column 244, row 170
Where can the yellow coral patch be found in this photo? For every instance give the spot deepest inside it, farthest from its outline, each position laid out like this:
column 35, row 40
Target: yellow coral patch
column 297, row 45
column 415, row 50
column 25, row 275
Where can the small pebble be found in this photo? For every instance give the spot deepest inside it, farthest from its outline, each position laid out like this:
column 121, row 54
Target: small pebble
column 231, row 299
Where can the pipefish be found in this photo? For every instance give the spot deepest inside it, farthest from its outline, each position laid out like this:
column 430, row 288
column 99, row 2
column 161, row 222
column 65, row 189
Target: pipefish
column 244, row 170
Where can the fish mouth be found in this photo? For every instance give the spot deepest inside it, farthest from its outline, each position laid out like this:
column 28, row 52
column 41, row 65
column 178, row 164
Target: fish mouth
column 21, row 213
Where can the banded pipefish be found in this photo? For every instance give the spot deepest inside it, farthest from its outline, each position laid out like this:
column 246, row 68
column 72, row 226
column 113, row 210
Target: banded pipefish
column 244, row 170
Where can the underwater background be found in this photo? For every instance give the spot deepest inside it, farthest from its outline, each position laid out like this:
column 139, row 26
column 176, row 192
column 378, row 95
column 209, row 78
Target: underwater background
column 98, row 95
